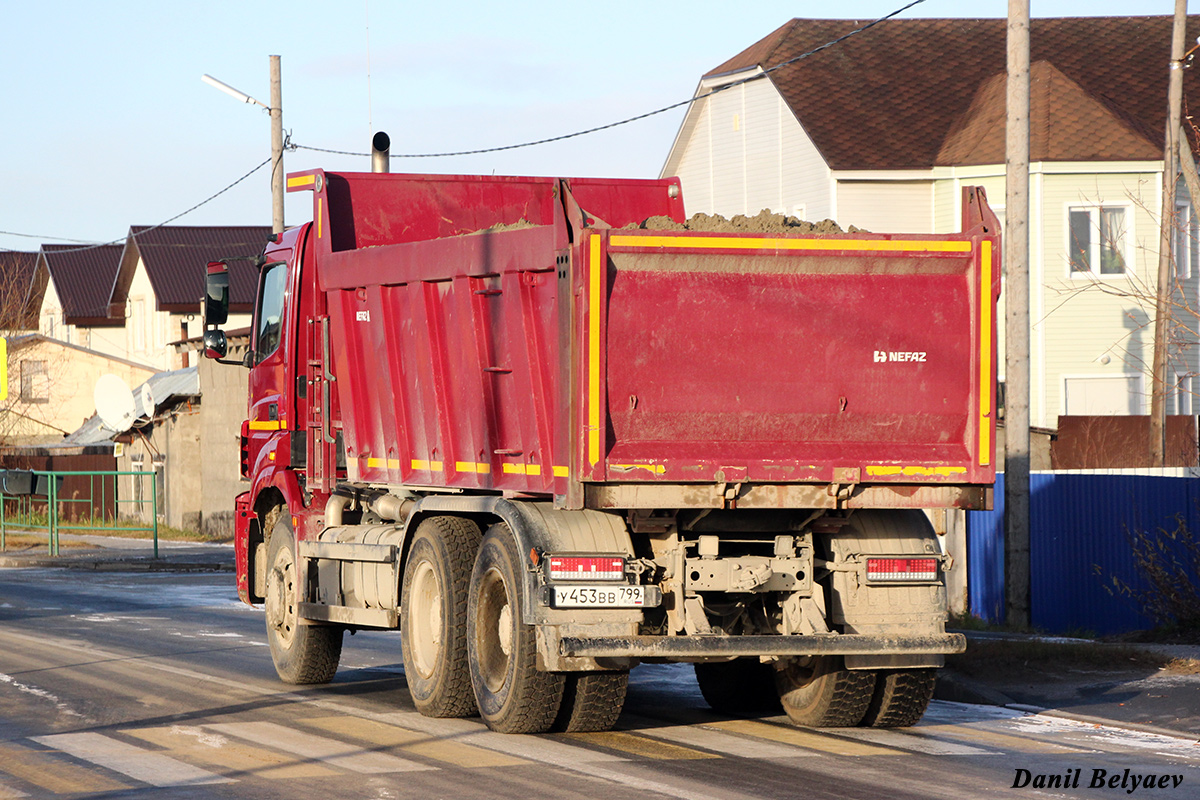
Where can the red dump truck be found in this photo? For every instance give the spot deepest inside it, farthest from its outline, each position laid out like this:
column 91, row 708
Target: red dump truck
column 547, row 444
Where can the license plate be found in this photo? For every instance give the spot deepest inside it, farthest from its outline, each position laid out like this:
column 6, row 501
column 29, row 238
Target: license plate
column 622, row 596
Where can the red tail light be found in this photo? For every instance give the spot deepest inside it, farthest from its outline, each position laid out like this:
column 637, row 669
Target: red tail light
column 586, row 568
column 902, row 569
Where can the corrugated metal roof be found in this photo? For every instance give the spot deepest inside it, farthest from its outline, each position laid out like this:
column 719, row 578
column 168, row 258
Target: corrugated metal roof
column 175, row 259
column 167, row 388
column 83, row 278
column 917, row 93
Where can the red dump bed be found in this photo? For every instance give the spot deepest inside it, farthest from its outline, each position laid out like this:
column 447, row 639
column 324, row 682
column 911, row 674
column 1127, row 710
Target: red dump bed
column 557, row 349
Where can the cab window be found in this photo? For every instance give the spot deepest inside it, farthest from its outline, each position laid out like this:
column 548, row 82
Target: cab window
column 269, row 317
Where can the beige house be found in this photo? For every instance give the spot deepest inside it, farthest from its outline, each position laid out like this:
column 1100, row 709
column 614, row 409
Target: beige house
column 884, row 129
column 51, row 384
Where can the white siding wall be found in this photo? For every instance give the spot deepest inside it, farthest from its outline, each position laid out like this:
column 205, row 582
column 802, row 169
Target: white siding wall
column 746, row 152
column 1096, row 326
column 886, row 206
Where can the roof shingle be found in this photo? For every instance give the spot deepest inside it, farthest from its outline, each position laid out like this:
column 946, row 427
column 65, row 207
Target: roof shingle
column 175, row 256
column 917, row 93
column 83, row 278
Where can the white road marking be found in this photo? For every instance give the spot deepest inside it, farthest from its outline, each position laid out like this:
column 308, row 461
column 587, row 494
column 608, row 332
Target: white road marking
column 138, row 763
column 719, row 742
column 915, row 742
column 320, row 748
column 9, row 793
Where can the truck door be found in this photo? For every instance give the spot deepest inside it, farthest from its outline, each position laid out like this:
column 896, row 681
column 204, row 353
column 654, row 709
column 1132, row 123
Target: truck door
column 271, row 404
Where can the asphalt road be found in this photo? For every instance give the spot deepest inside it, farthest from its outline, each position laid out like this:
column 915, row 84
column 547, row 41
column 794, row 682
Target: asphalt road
column 155, row 684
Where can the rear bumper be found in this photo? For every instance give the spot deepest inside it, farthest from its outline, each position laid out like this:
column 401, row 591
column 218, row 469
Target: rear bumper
column 716, row 646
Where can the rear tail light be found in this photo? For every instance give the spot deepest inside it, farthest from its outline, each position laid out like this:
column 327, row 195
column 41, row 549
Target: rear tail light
column 887, row 570
column 586, row 568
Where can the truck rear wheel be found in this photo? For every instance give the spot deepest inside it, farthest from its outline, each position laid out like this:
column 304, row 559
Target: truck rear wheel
column 592, row 701
column 901, row 697
column 512, row 694
column 433, row 623
column 302, row 653
column 819, row 692
column 741, row 686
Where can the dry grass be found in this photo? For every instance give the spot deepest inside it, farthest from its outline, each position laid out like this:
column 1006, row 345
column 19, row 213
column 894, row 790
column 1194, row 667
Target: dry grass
column 1013, row 655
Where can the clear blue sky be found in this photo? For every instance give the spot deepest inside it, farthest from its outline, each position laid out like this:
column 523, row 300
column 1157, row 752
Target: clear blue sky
column 104, row 122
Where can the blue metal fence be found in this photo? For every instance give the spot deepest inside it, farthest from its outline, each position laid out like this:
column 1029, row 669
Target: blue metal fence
column 1079, row 540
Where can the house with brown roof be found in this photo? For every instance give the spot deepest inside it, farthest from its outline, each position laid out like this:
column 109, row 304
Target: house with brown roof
column 884, row 129
column 159, row 283
column 71, row 286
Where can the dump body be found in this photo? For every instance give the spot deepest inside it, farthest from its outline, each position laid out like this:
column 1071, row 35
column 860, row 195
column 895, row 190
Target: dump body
column 481, row 341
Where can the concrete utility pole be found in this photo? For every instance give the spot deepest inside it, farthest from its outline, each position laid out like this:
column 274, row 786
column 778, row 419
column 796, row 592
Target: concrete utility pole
column 1158, row 398
column 276, row 148
column 1016, row 363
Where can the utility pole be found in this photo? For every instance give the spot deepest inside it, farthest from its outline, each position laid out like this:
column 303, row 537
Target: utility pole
column 1158, row 397
column 276, row 147
column 1016, row 363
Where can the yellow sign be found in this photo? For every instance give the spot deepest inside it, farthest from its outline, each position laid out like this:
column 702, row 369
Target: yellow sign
column 3, row 369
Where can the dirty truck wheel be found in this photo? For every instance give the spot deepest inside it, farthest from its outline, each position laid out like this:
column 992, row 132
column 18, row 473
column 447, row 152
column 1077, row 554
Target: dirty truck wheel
column 302, row 653
column 901, row 697
column 591, row 702
column 741, row 686
column 819, row 692
column 512, row 695
column 433, row 623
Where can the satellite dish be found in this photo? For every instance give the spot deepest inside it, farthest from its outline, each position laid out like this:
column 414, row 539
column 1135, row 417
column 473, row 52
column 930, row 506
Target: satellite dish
column 145, row 401
column 114, row 403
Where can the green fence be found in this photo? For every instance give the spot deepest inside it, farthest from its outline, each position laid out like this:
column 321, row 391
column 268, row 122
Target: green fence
column 86, row 502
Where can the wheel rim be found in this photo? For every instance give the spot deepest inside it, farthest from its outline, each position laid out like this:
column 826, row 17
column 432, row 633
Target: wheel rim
column 281, row 598
column 493, row 630
column 425, row 617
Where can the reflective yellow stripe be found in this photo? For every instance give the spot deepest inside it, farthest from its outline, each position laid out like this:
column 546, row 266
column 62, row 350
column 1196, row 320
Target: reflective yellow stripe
column 471, row 466
column 561, row 472
column 296, row 181
column 266, row 424
column 883, row 470
column 320, row 220
column 375, row 462
column 522, row 469
column 594, row 354
column 731, row 243
column 432, row 466
column 985, row 356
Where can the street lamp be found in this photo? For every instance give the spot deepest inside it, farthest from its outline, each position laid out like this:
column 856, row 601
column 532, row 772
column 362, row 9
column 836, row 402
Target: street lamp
column 276, row 111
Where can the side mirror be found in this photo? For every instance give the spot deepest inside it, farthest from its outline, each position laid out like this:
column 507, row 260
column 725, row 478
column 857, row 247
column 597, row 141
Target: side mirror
column 216, row 295
column 215, row 343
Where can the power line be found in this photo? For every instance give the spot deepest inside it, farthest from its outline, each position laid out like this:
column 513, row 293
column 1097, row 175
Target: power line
column 664, row 109
column 205, row 201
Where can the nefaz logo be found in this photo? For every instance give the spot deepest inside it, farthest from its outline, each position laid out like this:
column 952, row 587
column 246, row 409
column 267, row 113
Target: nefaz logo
column 884, row 355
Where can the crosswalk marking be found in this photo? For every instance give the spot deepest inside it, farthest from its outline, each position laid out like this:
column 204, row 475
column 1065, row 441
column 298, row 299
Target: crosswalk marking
column 640, row 746
column 915, row 742
column 995, row 739
column 421, row 744
column 234, row 757
column 534, row 748
column 53, row 774
column 9, row 793
column 726, row 743
column 329, row 751
column 138, row 763
column 801, row 738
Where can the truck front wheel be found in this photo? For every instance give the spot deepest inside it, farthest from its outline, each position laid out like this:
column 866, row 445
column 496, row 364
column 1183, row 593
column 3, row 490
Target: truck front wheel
column 512, row 694
column 433, row 626
column 819, row 692
column 302, row 653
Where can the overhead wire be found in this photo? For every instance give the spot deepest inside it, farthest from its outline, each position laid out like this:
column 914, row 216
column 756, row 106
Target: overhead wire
column 291, row 146
column 664, row 109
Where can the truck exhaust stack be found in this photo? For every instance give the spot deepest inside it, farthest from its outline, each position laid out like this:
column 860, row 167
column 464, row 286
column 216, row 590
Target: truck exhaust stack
column 380, row 145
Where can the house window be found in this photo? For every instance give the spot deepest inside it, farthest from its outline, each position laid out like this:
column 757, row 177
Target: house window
column 1097, row 241
column 35, row 384
column 1183, row 394
column 1185, row 247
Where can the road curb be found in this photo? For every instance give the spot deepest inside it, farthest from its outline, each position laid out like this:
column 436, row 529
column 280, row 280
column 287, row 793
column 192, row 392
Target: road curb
column 958, row 688
column 115, row 565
